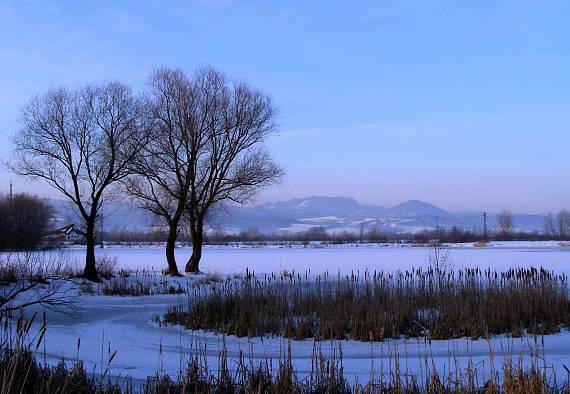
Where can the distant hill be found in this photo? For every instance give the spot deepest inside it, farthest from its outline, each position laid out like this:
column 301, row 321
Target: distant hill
column 333, row 213
column 418, row 209
column 314, row 207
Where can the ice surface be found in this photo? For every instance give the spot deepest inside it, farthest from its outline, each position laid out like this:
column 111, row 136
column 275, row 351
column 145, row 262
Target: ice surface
column 347, row 258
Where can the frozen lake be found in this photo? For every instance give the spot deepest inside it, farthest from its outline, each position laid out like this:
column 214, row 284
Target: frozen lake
column 499, row 256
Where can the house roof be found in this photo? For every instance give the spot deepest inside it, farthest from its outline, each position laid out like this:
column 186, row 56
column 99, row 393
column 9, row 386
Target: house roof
column 70, row 228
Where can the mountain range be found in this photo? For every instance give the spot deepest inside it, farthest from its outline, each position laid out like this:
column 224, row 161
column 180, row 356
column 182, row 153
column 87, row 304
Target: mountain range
column 346, row 214
column 299, row 214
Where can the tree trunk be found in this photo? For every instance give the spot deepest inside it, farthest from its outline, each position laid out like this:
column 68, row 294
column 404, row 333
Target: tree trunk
column 90, row 270
column 193, row 264
column 170, row 245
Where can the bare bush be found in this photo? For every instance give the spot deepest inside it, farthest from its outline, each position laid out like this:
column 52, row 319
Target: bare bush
column 138, row 284
column 107, row 265
column 33, row 278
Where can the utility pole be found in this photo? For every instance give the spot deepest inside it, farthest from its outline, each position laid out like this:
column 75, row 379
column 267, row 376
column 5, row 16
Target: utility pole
column 11, row 191
column 102, row 230
column 485, row 226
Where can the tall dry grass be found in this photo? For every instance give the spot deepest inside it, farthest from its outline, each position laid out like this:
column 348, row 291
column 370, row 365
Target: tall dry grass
column 20, row 372
column 436, row 303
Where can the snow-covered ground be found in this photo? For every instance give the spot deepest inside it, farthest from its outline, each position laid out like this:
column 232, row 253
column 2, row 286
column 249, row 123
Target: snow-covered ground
column 126, row 324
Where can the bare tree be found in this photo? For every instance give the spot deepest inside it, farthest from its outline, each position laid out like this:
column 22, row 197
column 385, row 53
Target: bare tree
column 563, row 223
column 207, row 150
column 505, row 222
column 80, row 142
column 232, row 164
column 375, row 234
column 165, row 170
column 549, row 226
column 361, row 233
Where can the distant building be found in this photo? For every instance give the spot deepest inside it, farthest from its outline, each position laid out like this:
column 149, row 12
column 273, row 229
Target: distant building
column 69, row 234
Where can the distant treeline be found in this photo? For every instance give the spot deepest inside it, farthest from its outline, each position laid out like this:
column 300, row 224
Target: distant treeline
column 319, row 233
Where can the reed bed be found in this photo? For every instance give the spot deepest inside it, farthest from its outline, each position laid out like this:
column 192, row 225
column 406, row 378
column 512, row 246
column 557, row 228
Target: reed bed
column 327, row 375
column 434, row 302
column 20, row 372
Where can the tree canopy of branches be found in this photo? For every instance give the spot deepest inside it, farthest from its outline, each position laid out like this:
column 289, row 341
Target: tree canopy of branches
column 233, row 164
column 549, row 226
column 163, row 172
column 208, row 149
column 505, row 222
column 563, row 223
column 81, row 143
column 24, row 219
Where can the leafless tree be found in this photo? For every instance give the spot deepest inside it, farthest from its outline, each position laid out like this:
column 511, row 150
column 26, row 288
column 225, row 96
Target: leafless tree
column 549, row 226
column 361, row 233
column 80, row 142
column 505, row 222
column 563, row 223
column 165, row 170
column 232, row 165
column 374, row 234
column 207, row 150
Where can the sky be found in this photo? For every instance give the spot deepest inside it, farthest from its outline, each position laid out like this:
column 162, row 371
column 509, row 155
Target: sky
column 461, row 104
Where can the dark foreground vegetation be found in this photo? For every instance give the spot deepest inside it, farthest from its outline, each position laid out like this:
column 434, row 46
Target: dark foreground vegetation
column 20, row 372
column 436, row 303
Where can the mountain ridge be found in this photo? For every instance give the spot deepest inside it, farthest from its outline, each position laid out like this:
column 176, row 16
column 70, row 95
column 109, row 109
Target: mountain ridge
column 299, row 214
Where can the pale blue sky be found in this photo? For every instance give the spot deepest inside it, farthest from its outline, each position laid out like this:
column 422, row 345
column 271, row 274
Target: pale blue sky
column 462, row 104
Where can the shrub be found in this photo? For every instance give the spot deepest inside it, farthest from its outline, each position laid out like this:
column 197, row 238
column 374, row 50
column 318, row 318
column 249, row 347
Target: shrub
column 139, row 284
column 24, row 220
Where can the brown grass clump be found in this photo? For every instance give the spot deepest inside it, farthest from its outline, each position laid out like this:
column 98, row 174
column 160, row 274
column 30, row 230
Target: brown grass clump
column 435, row 303
column 138, row 284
